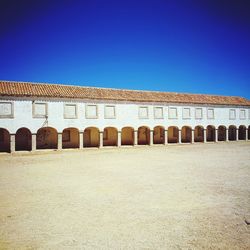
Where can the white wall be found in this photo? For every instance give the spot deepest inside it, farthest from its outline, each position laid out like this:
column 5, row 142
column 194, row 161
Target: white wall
column 126, row 115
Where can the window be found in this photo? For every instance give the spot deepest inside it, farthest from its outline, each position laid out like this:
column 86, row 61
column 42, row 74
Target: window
column 198, row 113
column 232, row 114
column 172, row 113
column 70, row 111
column 1, row 135
column 143, row 112
column 66, row 136
column 105, row 134
column 158, row 112
column 210, row 113
column 6, row 110
column 186, row 113
column 109, row 112
column 40, row 110
column 91, row 111
column 242, row 114
column 199, row 132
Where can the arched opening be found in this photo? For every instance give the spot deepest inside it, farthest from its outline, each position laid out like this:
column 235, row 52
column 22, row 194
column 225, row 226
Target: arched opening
column 143, row 135
column 186, row 134
column 221, row 133
column 91, row 137
column 4, row 140
column 210, row 133
column 127, row 136
column 159, row 135
column 110, row 136
column 173, row 135
column 199, row 134
column 232, row 133
column 242, row 132
column 23, row 139
column 70, row 138
column 46, row 138
column 248, row 133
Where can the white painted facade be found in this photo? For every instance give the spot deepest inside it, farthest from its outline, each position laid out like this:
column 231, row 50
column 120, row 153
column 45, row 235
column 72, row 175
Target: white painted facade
column 126, row 114
column 60, row 114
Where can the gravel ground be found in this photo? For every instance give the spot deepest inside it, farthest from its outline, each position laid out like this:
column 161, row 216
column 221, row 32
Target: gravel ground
column 160, row 197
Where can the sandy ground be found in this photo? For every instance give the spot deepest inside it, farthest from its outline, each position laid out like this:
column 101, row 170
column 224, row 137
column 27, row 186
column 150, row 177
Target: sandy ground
column 174, row 197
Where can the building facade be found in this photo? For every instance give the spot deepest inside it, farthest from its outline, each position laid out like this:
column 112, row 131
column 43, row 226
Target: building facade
column 37, row 116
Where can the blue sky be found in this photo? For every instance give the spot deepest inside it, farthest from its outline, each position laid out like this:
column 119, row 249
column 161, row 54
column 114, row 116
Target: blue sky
column 192, row 46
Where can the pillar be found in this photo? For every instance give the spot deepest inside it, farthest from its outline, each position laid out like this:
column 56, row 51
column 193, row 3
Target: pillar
column 135, row 137
column 179, row 135
column 101, row 139
column 166, row 137
column 81, row 140
column 192, row 141
column 216, row 135
column 226, row 134
column 59, row 141
column 237, row 134
column 205, row 135
column 33, row 142
column 246, row 134
column 12, row 143
column 119, row 143
column 151, row 142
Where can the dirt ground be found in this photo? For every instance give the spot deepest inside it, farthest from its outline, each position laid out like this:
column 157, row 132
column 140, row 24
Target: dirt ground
column 160, row 197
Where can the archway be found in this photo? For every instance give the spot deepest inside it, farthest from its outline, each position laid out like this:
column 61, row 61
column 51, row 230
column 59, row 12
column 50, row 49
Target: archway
column 4, row 140
column 186, row 134
column 70, row 138
column 222, row 133
column 110, row 136
column 248, row 133
column 46, row 138
column 91, row 137
column 242, row 132
column 127, row 136
column 210, row 133
column 23, row 139
column 199, row 134
column 143, row 135
column 232, row 133
column 173, row 135
column 159, row 135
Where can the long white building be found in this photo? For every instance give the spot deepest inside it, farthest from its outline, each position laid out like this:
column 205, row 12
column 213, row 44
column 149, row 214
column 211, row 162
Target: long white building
column 51, row 116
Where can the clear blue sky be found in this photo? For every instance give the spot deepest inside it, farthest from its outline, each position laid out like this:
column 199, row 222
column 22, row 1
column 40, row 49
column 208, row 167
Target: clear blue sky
column 195, row 46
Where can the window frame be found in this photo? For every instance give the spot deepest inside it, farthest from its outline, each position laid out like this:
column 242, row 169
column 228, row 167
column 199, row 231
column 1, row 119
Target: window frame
column 76, row 110
column 34, row 110
column 105, row 112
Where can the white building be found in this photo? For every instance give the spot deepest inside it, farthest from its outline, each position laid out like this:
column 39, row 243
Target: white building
column 51, row 116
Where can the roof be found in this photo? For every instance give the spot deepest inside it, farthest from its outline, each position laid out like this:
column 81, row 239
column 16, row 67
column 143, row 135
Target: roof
column 27, row 89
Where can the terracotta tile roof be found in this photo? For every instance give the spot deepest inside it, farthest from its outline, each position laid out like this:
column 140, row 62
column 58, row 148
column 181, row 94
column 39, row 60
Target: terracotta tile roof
column 25, row 89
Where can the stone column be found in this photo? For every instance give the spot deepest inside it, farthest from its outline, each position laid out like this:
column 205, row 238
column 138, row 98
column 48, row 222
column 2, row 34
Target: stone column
column 119, row 142
column 12, row 143
column 205, row 135
column 81, row 140
column 101, row 139
column 135, row 137
column 226, row 134
column 151, row 142
column 59, row 141
column 216, row 135
column 246, row 134
column 33, row 142
column 192, row 141
column 179, row 135
column 237, row 134
column 166, row 137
